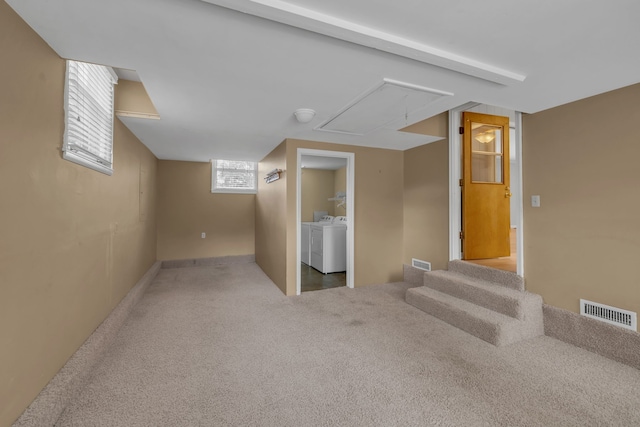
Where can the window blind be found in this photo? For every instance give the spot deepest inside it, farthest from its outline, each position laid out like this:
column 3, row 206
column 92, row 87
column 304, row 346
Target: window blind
column 88, row 137
column 233, row 176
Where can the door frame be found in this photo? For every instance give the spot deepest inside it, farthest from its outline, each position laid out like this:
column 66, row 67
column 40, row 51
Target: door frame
column 455, row 194
column 350, row 157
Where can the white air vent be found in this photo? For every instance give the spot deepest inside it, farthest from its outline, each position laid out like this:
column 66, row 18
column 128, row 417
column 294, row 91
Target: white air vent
column 382, row 104
column 422, row 265
column 605, row 313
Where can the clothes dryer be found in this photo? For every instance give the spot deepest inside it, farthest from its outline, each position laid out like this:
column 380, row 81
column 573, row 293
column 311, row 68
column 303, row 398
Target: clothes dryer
column 305, row 238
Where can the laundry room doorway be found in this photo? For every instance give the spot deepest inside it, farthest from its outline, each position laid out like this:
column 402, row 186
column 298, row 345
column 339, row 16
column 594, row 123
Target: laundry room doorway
column 325, row 228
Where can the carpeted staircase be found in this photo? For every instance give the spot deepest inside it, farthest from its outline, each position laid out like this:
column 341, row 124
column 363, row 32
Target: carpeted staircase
column 487, row 303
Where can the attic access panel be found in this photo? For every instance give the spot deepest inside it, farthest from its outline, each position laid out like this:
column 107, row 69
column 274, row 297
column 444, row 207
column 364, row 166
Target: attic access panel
column 384, row 103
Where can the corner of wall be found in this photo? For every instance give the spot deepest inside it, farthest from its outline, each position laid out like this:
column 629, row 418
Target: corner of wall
column 271, row 218
column 426, row 204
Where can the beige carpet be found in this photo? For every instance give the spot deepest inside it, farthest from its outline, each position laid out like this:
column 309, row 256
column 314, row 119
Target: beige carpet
column 221, row 346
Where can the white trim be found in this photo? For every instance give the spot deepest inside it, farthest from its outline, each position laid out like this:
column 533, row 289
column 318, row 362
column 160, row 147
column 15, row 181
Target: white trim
column 114, row 75
column 350, row 157
column 455, row 173
column 332, row 26
column 519, row 199
column 76, row 158
column 136, row 115
column 233, row 191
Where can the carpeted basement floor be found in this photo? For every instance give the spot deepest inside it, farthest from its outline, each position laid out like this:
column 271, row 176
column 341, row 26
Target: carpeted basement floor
column 221, row 346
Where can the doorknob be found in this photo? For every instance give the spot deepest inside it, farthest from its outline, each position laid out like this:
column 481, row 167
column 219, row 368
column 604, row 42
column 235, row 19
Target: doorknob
column 507, row 192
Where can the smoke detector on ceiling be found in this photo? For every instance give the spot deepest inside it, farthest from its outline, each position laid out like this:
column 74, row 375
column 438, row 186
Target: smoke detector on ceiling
column 304, row 115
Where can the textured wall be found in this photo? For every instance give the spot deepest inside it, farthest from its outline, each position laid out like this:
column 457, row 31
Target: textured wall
column 72, row 241
column 317, row 188
column 426, row 204
column 132, row 99
column 339, row 184
column 187, row 208
column 271, row 218
column 434, row 126
column 584, row 240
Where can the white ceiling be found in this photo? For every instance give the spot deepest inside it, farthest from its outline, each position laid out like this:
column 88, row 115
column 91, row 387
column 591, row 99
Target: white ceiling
column 226, row 82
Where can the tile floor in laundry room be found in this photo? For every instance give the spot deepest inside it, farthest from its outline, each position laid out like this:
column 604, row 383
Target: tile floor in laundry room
column 313, row 280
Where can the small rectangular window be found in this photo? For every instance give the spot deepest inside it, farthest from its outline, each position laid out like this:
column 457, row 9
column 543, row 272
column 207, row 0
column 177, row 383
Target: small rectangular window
column 89, row 99
column 234, row 176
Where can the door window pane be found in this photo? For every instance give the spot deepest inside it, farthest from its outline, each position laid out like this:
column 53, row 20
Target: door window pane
column 486, row 168
column 486, row 138
column 486, row 153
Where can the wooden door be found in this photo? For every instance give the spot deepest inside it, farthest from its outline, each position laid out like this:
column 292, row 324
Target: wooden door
column 485, row 186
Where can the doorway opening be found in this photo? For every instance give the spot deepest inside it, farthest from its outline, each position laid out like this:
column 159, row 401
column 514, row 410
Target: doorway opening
column 514, row 261
column 325, row 237
column 506, row 263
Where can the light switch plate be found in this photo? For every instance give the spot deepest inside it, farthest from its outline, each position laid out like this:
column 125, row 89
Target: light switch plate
column 535, row 201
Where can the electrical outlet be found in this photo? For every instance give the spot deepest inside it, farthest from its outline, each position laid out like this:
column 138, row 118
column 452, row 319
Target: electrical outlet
column 203, row 235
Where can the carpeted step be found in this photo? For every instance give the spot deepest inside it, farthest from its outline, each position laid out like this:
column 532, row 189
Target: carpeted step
column 508, row 301
column 490, row 326
column 499, row 277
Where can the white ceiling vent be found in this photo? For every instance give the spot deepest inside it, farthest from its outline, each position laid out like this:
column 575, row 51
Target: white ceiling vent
column 384, row 103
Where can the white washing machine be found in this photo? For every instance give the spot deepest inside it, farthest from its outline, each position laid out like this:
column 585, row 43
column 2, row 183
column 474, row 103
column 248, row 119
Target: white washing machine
column 305, row 238
column 329, row 246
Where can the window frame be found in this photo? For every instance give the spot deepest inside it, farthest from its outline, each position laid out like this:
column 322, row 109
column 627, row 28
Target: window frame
column 73, row 152
column 215, row 189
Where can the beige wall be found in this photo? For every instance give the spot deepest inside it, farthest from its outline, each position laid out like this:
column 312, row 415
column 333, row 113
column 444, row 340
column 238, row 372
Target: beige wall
column 72, row 241
column 426, row 204
column 132, row 100
column 276, row 226
column 187, row 208
column 271, row 218
column 339, row 185
column 433, row 126
column 317, row 187
column 426, row 195
column 378, row 212
column 584, row 240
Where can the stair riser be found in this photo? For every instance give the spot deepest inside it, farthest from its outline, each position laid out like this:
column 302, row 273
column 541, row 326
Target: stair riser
column 461, row 320
column 500, row 303
column 502, row 278
column 497, row 334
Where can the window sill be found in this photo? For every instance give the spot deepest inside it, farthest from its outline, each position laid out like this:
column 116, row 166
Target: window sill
column 232, row 191
column 72, row 157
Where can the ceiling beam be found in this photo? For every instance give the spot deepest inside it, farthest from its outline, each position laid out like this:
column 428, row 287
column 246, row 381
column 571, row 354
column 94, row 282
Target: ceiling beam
column 307, row 19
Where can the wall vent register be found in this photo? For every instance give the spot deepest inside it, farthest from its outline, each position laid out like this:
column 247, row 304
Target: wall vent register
column 422, row 265
column 612, row 315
